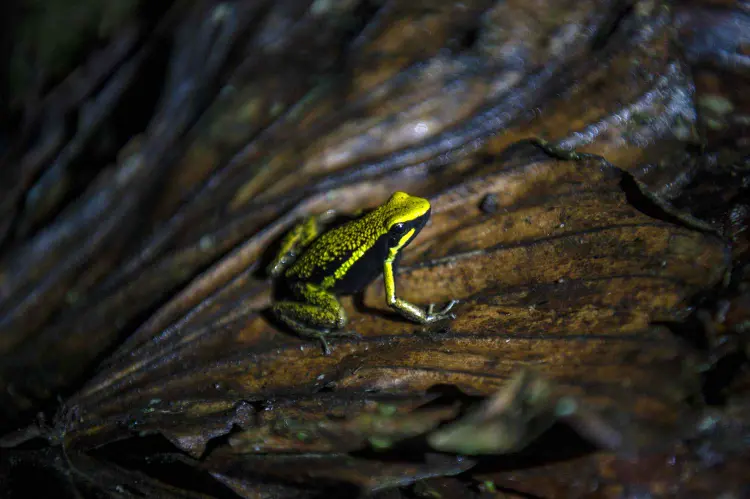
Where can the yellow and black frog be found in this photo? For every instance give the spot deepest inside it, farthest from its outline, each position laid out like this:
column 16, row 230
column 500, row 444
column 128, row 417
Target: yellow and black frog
column 318, row 265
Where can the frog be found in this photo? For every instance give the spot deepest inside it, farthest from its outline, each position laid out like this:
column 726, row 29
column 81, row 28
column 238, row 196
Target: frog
column 318, row 265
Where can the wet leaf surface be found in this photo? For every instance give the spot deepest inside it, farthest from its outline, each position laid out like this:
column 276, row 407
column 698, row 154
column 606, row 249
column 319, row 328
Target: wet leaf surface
column 600, row 344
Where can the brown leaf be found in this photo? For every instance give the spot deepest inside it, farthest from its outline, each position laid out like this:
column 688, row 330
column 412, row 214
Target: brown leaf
column 598, row 346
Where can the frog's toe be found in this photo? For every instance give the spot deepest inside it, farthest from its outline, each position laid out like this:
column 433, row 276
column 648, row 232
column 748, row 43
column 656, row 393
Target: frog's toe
column 324, row 344
column 448, row 307
column 323, row 336
column 445, row 313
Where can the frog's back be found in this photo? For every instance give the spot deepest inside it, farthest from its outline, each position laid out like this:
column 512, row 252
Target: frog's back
column 343, row 259
column 347, row 258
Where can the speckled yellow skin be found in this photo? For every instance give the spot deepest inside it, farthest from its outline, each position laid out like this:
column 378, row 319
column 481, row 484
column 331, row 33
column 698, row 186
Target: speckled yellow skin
column 350, row 242
column 343, row 260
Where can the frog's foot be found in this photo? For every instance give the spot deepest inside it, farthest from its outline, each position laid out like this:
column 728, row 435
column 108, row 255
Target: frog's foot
column 445, row 313
column 323, row 335
column 322, row 338
column 319, row 335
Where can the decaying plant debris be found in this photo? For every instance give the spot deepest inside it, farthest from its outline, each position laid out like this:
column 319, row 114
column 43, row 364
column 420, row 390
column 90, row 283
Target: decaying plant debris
column 600, row 345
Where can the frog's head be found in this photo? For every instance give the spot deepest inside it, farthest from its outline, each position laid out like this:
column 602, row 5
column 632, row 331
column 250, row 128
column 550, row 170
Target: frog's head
column 405, row 217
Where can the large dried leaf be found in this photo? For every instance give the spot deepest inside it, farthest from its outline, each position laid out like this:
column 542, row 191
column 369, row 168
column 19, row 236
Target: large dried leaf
column 136, row 290
column 568, row 287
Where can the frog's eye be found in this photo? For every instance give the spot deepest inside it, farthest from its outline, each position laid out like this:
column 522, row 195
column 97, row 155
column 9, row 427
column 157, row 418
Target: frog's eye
column 398, row 228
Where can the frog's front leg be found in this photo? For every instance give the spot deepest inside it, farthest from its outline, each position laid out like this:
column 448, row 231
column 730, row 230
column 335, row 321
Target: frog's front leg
column 319, row 316
column 409, row 310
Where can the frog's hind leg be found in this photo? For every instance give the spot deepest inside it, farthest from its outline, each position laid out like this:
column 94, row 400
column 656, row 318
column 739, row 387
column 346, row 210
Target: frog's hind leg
column 319, row 316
